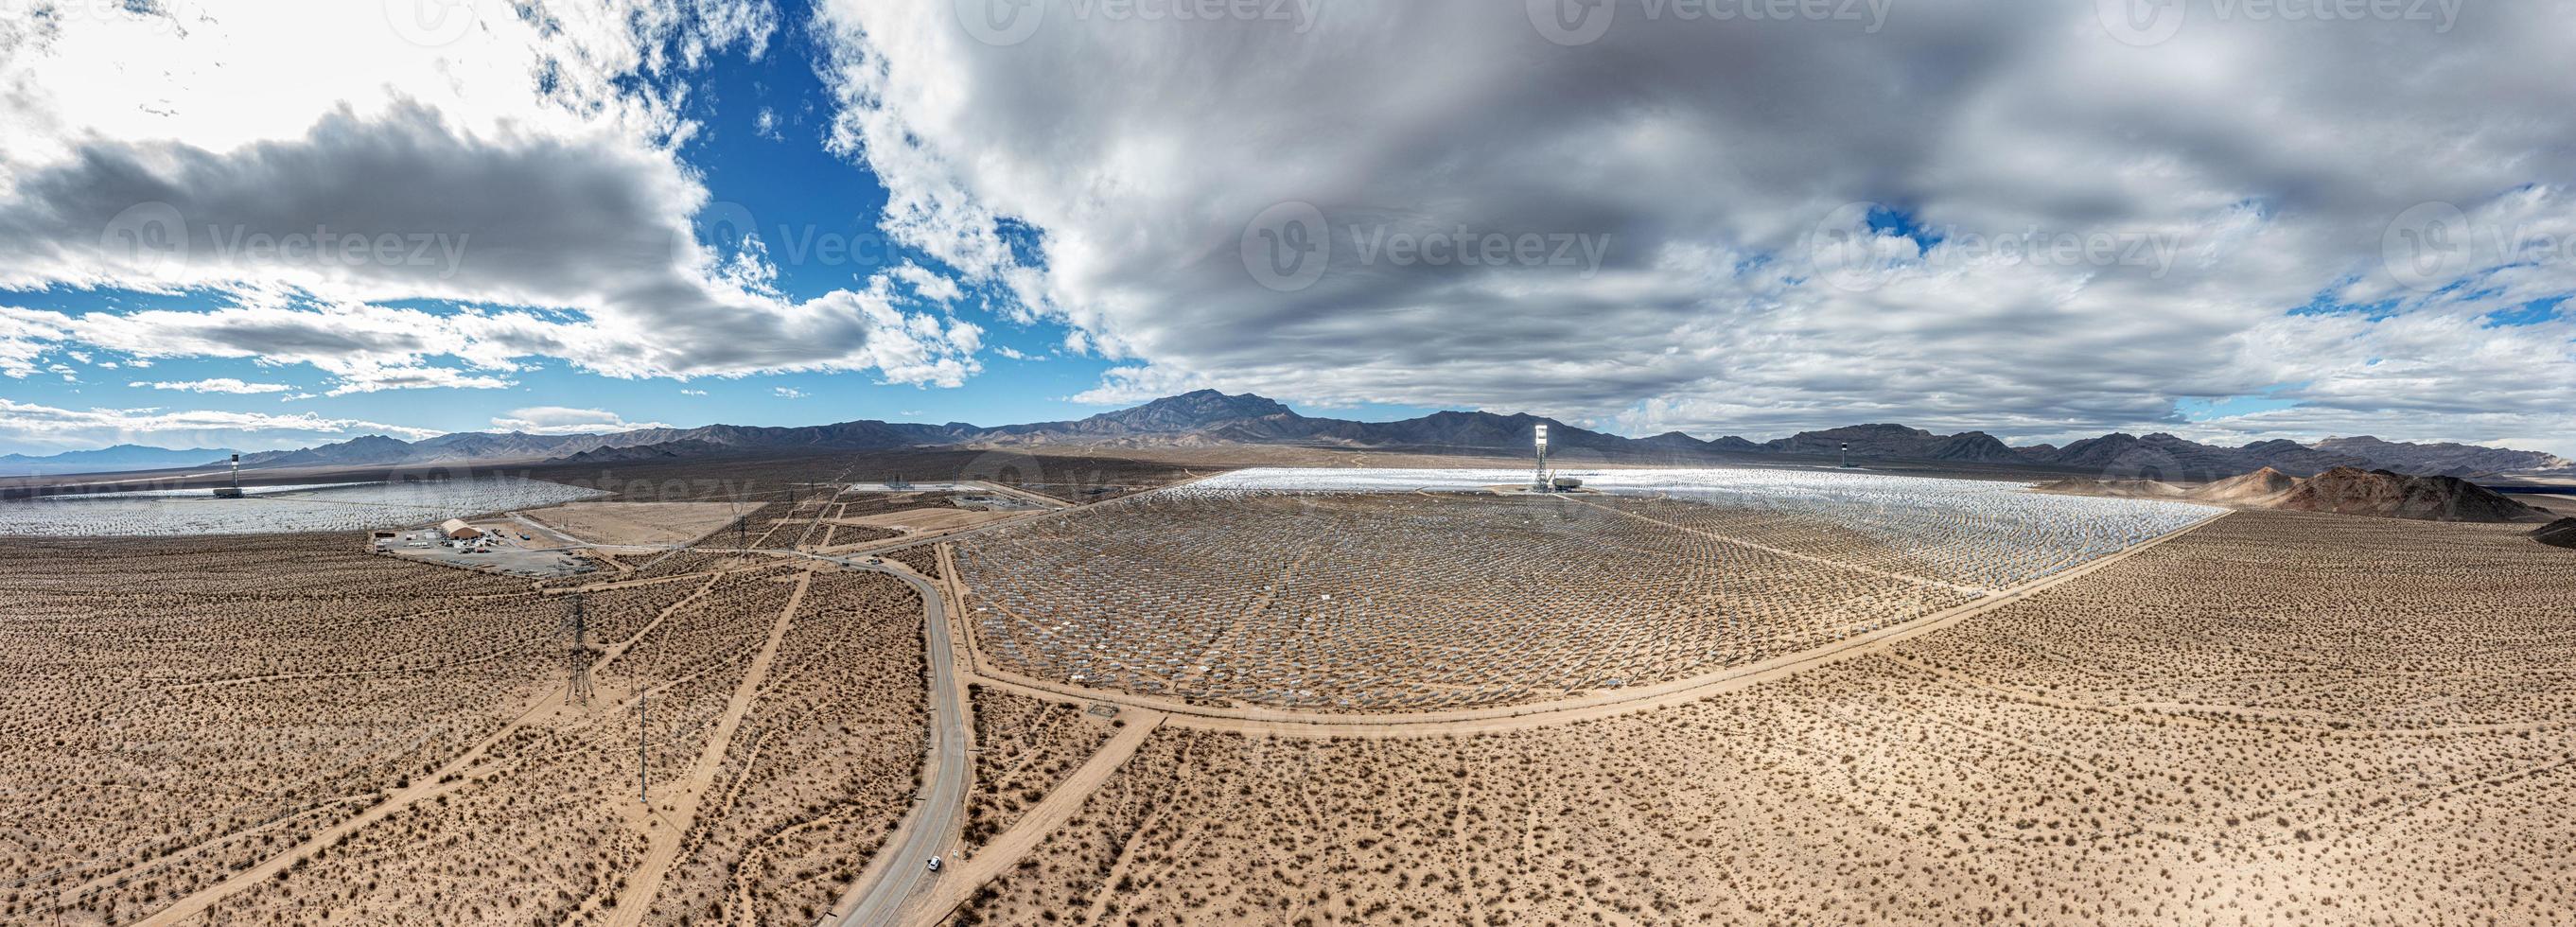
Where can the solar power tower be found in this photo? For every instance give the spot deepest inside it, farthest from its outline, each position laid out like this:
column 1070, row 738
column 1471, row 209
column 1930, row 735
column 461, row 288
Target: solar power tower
column 1540, row 483
column 233, row 491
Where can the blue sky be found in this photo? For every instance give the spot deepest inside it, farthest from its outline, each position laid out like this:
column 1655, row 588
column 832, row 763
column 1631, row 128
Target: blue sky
column 801, row 196
column 2059, row 232
column 759, row 148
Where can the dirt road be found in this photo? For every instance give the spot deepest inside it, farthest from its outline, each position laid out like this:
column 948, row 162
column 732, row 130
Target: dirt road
column 932, row 826
column 1050, row 813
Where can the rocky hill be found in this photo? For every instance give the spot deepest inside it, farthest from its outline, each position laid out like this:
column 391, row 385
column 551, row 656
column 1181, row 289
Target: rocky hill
column 2560, row 533
column 2340, row 490
column 2389, row 494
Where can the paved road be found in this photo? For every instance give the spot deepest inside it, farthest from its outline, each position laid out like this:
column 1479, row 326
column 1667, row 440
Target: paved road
column 931, row 827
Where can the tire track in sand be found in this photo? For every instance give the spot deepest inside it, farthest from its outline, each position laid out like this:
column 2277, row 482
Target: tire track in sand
column 662, row 843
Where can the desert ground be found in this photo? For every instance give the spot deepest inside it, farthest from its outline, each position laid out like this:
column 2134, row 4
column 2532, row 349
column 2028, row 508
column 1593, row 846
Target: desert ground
column 286, row 730
column 635, row 523
column 1767, row 698
column 2273, row 719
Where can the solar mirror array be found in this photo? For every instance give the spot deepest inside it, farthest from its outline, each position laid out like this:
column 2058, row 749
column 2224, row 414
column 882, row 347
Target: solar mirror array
column 1423, row 590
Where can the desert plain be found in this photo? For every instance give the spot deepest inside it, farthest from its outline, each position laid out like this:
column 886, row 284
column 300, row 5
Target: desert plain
column 1173, row 696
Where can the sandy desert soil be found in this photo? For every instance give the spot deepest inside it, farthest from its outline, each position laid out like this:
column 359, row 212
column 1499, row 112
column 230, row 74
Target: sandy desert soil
column 1025, row 746
column 636, row 522
column 923, row 559
column 286, row 730
column 927, row 519
column 2277, row 719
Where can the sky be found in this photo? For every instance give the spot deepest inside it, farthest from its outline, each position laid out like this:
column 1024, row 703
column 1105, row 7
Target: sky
column 275, row 224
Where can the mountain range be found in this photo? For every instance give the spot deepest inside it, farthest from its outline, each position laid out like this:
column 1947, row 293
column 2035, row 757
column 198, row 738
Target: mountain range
column 1207, row 418
column 109, row 459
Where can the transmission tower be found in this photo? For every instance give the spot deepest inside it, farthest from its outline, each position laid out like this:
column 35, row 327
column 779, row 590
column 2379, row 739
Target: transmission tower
column 579, row 656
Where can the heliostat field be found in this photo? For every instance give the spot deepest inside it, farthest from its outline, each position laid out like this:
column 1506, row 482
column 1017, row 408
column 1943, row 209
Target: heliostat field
column 1424, row 590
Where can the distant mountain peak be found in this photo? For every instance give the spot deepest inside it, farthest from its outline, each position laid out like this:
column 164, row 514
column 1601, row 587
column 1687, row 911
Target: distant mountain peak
column 1187, row 411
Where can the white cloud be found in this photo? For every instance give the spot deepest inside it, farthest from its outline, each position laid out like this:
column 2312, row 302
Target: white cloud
column 527, row 161
column 559, row 420
column 693, row 392
column 928, row 285
column 50, row 426
column 2235, row 172
column 214, row 385
column 788, row 392
column 410, row 377
column 25, row 337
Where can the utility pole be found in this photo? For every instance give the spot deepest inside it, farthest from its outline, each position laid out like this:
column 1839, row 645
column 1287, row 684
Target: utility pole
column 643, row 788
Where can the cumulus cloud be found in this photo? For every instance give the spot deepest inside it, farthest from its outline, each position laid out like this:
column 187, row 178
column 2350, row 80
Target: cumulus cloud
column 213, row 385
column 788, row 392
column 559, row 420
column 537, row 186
column 1994, row 216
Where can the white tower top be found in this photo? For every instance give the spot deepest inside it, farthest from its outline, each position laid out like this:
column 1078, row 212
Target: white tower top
column 1539, row 479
